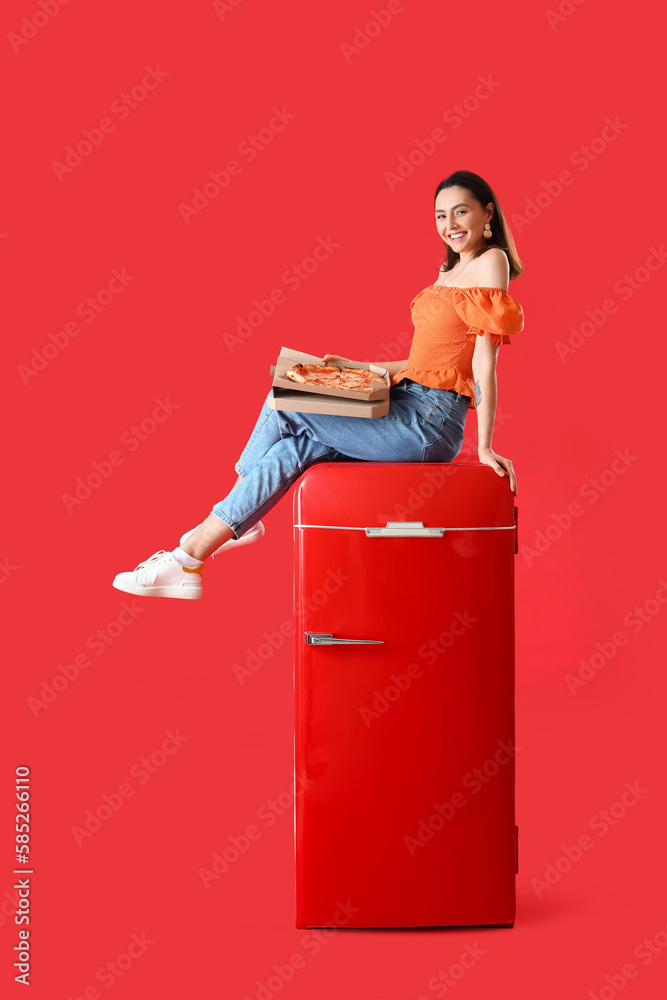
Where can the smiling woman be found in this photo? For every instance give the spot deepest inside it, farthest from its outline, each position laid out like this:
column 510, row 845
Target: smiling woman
column 451, row 369
column 458, row 333
column 457, row 341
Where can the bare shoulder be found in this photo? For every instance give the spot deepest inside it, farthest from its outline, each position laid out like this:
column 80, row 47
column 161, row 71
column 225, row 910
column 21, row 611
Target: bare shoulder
column 492, row 269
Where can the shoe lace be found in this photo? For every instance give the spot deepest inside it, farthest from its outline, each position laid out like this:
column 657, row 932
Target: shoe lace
column 152, row 559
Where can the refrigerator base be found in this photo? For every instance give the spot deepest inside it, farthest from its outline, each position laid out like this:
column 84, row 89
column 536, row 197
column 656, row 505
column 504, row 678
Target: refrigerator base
column 408, row 927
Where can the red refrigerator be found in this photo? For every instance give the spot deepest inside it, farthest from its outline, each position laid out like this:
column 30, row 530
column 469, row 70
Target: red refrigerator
column 404, row 750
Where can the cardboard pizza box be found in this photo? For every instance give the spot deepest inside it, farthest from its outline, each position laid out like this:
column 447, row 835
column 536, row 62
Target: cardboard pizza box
column 300, row 398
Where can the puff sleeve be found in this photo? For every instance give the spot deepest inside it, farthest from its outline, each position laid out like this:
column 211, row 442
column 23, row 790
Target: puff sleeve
column 488, row 310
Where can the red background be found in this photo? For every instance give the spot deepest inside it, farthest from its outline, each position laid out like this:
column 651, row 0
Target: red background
column 172, row 668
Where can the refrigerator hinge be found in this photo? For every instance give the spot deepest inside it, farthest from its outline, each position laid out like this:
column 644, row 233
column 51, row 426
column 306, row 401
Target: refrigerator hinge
column 516, row 530
column 516, row 848
column 411, row 529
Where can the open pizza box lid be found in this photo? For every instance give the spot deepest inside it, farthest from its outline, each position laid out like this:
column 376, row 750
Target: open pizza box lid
column 299, row 397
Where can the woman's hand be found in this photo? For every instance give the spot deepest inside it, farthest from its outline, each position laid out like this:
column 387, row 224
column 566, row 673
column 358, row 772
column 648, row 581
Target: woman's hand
column 335, row 358
column 502, row 466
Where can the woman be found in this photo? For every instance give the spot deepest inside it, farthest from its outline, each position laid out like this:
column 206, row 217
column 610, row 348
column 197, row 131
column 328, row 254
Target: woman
column 460, row 322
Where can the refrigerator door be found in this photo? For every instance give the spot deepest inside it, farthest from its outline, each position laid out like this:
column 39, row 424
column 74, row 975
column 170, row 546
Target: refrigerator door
column 404, row 732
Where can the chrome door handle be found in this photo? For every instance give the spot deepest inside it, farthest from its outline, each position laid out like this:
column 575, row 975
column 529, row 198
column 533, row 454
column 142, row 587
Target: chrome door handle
column 327, row 639
column 409, row 529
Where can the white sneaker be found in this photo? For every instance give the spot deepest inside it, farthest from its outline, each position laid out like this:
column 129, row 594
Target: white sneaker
column 251, row 535
column 161, row 575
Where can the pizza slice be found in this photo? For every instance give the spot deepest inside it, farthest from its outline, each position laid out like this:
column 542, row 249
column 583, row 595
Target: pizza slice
column 359, row 378
column 313, row 374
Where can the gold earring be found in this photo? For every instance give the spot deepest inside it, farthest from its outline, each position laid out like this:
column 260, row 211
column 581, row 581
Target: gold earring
column 487, row 234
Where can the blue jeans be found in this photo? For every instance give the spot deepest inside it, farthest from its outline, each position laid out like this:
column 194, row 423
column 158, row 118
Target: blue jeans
column 423, row 425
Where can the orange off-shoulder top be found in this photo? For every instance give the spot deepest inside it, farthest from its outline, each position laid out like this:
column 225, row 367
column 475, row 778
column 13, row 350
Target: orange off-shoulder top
column 447, row 322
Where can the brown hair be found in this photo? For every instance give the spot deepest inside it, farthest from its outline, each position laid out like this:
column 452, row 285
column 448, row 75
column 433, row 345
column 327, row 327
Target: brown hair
column 501, row 235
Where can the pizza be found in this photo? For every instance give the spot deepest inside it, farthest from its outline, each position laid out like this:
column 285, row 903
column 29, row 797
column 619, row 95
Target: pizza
column 333, row 377
column 313, row 374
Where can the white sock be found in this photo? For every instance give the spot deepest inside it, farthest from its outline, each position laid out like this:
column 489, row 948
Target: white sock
column 185, row 559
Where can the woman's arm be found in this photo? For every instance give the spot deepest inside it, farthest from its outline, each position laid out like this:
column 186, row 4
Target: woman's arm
column 493, row 272
column 484, row 359
column 391, row 366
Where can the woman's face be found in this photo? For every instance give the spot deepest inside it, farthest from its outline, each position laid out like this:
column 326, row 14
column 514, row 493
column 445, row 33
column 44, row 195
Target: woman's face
column 457, row 212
